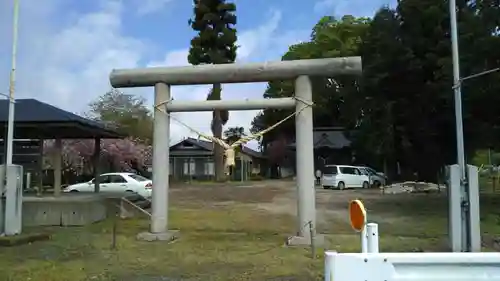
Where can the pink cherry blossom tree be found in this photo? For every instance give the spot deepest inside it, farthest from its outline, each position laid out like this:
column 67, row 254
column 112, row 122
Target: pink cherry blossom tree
column 116, row 154
column 130, row 115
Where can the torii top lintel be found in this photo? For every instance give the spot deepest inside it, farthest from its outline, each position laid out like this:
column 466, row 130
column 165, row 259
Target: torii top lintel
column 235, row 72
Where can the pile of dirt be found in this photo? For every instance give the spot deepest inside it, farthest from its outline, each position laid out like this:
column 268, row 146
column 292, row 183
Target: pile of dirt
column 413, row 187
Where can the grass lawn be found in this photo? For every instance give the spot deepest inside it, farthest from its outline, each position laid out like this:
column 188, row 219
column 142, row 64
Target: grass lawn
column 225, row 244
column 224, row 237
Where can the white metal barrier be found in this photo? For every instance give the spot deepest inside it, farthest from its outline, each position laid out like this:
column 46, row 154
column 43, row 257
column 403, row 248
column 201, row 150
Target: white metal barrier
column 412, row 266
column 371, row 265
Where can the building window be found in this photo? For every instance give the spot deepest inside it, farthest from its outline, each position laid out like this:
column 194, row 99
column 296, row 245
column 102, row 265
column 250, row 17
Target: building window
column 209, row 169
column 189, row 167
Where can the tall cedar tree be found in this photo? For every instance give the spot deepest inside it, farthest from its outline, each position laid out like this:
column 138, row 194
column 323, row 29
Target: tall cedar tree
column 215, row 43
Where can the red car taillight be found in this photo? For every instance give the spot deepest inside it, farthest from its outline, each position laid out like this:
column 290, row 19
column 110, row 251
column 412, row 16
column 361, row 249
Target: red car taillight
column 149, row 186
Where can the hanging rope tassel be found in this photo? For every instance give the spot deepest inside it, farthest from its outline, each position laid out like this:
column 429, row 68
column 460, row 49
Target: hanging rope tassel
column 230, row 159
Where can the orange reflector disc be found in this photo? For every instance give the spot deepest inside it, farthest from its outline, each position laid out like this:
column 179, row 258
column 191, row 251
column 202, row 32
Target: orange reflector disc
column 357, row 215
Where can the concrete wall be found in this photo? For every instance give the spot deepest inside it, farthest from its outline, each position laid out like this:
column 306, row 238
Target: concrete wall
column 70, row 210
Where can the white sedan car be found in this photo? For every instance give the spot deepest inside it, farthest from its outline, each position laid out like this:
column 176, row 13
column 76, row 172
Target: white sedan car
column 116, row 183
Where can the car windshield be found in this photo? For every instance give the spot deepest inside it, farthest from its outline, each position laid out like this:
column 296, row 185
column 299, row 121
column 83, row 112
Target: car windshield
column 370, row 170
column 138, row 178
column 330, row 170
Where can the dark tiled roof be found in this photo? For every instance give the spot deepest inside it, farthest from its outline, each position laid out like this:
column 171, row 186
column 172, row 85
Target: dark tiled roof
column 328, row 137
column 32, row 111
column 209, row 146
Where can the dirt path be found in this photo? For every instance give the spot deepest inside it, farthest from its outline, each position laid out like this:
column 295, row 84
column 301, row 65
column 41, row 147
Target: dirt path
column 279, row 197
column 331, row 205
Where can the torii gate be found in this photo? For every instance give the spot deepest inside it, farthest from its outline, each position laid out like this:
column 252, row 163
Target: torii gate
column 162, row 78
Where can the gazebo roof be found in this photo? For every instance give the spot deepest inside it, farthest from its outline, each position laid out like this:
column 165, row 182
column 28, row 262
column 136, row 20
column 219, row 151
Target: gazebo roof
column 34, row 119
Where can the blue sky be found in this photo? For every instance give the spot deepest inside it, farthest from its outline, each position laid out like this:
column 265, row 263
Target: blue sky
column 67, row 47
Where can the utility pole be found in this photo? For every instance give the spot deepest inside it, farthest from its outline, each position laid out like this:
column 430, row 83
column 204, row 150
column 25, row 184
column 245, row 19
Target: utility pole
column 464, row 194
column 457, row 88
column 9, row 141
column 10, row 124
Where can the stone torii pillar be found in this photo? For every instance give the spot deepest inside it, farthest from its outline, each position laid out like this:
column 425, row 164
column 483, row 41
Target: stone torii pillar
column 162, row 78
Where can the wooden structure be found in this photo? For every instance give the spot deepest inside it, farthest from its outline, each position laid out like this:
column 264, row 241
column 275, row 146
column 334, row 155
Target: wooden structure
column 331, row 146
column 192, row 159
column 34, row 122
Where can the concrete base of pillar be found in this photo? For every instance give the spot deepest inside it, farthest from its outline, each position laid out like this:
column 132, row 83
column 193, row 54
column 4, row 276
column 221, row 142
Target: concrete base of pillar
column 163, row 236
column 319, row 241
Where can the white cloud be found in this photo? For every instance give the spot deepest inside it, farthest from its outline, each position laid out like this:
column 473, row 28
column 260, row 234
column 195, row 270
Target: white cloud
column 257, row 39
column 67, row 64
column 145, row 7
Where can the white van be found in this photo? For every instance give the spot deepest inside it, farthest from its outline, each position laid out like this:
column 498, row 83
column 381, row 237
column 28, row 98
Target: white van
column 343, row 176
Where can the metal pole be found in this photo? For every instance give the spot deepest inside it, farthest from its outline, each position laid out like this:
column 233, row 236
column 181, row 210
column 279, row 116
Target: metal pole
column 372, row 238
column 241, row 169
column 9, row 142
column 10, row 124
column 459, row 121
column 364, row 240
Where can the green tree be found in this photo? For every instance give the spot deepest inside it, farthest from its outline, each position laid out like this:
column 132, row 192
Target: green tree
column 215, row 43
column 402, row 109
column 385, row 59
column 330, row 37
column 486, row 157
column 234, row 133
column 408, row 114
column 129, row 114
